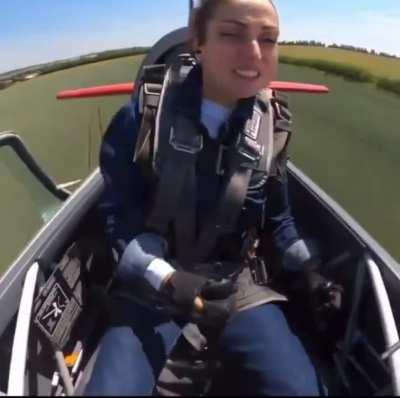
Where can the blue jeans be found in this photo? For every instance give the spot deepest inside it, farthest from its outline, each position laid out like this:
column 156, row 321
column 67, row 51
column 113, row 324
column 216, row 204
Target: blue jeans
column 257, row 345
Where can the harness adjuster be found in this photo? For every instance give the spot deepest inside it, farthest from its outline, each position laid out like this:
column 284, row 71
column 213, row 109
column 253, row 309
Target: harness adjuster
column 188, row 147
column 250, row 150
column 219, row 168
column 152, row 88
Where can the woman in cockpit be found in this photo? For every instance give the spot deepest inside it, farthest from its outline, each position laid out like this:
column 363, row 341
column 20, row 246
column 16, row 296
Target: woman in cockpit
column 224, row 96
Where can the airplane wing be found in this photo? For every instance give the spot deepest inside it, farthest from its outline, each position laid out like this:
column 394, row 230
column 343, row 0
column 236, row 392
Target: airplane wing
column 127, row 88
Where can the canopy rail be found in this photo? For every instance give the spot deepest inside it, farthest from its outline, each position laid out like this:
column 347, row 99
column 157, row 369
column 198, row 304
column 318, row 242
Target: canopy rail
column 14, row 141
column 389, row 352
column 353, row 335
column 16, row 377
column 388, row 322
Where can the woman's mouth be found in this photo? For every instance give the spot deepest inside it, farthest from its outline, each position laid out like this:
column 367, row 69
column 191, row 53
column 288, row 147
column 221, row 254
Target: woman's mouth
column 249, row 74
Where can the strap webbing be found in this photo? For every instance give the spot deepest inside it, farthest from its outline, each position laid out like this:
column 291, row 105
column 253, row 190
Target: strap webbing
column 142, row 148
column 177, row 141
column 223, row 220
column 175, row 153
column 185, row 221
column 234, row 191
column 178, row 167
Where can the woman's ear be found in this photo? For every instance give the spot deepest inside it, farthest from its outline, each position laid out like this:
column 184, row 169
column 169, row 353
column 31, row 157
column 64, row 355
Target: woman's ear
column 197, row 54
column 196, row 48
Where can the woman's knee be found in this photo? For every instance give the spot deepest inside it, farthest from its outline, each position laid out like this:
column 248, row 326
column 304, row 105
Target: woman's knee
column 260, row 341
column 264, row 321
column 131, row 358
column 121, row 366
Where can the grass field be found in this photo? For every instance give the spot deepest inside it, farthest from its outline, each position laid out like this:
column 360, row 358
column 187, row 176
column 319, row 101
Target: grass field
column 347, row 141
column 31, row 109
column 57, row 133
column 378, row 66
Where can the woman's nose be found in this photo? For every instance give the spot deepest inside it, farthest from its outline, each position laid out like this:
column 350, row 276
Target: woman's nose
column 253, row 49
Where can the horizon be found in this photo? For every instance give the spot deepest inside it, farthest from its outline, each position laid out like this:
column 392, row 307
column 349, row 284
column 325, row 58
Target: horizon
column 36, row 33
column 281, row 42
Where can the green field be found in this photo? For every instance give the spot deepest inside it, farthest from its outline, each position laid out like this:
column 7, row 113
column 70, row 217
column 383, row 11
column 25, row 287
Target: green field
column 58, row 133
column 378, row 66
column 347, row 142
column 31, row 109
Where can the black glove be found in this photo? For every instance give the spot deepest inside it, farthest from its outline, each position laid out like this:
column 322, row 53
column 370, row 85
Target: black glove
column 325, row 297
column 214, row 299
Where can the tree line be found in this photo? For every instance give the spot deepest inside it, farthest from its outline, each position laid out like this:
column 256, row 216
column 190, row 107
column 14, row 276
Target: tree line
column 18, row 75
column 314, row 43
column 349, row 72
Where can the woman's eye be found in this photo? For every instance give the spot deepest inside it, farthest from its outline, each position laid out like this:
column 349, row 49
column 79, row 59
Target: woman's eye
column 268, row 40
column 231, row 34
column 237, row 36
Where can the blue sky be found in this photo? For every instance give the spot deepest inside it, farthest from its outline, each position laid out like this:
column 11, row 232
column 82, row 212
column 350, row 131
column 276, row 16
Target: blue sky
column 36, row 31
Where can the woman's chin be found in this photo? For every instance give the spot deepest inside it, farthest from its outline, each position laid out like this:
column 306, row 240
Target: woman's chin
column 248, row 93
column 248, row 90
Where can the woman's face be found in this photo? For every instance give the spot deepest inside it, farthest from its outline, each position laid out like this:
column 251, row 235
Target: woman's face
column 240, row 54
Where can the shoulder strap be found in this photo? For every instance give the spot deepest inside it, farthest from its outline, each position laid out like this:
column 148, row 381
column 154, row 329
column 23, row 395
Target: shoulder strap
column 149, row 97
column 283, row 116
column 282, row 133
column 252, row 151
column 176, row 142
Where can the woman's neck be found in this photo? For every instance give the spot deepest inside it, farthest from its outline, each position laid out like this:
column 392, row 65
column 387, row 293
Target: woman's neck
column 214, row 95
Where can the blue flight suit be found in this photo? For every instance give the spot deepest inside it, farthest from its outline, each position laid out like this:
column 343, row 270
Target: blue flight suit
column 133, row 351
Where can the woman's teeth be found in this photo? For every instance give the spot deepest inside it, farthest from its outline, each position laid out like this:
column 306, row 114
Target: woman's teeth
column 249, row 74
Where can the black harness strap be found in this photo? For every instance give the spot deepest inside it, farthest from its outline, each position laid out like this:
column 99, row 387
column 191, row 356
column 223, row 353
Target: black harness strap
column 179, row 167
column 178, row 163
column 282, row 135
column 252, row 150
column 177, row 141
column 185, row 221
column 283, row 116
column 143, row 144
column 149, row 98
column 224, row 219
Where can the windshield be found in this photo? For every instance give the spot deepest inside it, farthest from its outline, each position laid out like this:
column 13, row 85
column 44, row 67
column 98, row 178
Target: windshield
column 26, row 205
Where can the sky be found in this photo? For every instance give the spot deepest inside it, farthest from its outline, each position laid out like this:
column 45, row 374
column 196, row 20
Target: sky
column 37, row 31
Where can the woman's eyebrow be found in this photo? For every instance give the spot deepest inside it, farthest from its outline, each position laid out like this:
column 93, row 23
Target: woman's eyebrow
column 242, row 24
column 234, row 21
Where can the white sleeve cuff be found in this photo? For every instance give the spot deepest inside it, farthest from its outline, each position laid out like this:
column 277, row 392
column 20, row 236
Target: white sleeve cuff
column 157, row 271
column 296, row 256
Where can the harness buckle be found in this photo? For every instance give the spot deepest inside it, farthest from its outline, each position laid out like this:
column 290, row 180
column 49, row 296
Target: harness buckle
column 250, row 150
column 258, row 270
column 251, row 257
column 219, row 169
column 192, row 147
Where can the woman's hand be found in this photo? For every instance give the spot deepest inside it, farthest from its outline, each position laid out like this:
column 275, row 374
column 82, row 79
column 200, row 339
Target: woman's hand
column 204, row 300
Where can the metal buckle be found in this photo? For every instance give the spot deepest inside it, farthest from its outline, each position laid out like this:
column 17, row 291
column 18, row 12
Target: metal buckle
column 187, row 59
column 242, row 149
column 252, row 127
column 258, row 270
column 218, row 167
column 152, row 89
column 183, row 147
column 252, row 153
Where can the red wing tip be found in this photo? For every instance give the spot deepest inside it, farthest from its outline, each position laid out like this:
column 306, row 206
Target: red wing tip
column 127, row 88
column 299, row 87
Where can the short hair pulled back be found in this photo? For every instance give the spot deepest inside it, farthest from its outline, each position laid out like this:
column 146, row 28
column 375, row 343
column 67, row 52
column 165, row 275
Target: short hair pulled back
column 201, row 15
